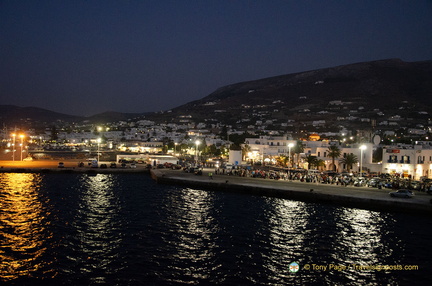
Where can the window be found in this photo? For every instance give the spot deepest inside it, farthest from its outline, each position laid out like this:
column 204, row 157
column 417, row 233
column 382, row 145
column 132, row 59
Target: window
column 392, row 159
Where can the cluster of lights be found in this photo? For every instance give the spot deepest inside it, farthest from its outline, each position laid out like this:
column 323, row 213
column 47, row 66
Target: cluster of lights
column 13, row 145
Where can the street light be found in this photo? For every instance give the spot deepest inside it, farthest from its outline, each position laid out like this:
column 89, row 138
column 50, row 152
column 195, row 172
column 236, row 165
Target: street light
column 98, row 142
column 175, row 148
column 290, row 145
column 22, row 143
column 362, row 147
column 13, row 147
column 196, row 150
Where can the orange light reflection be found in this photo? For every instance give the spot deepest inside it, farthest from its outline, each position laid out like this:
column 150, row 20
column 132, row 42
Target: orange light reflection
column 23, row 226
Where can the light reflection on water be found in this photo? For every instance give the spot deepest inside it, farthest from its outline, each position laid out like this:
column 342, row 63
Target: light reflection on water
column 24, row 227
column 191, row 238
column 97, row 228
column 287, row 229
column 127, row 230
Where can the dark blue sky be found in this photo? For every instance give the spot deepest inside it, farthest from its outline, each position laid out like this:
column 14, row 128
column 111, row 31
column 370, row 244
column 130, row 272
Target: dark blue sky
column 87, row 57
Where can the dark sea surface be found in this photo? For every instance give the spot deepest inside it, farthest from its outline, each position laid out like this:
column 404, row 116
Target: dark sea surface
column 124, row 229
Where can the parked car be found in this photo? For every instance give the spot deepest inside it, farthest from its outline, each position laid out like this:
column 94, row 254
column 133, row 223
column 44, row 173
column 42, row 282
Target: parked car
column 28, row 159
column 61, row 165
column 360, row 182
column 94, row 164
column 103, row 166
column 415, row 185
column 133, row 166
column 402, row 194
column 374, row 182
column 113, row 165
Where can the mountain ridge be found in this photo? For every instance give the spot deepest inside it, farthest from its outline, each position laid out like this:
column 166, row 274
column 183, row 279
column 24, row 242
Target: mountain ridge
column 382, row 84
column 376, row 81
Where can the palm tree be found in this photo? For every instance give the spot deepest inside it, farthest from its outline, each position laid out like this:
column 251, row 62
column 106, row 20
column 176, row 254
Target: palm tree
column 245, row 150
column 311, row 160
column 320, row 164
column 349, row 160
column 297, row 149
column 333, row 152
column 282, row 160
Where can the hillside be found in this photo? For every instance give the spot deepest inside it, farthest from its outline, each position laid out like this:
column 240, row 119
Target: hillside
column 383, row 85
column 360, row 94
column 33, row 116
column 26, row 116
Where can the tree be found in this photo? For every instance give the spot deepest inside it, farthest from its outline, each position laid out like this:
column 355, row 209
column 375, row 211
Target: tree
column 235, row 147
column 349, row 160
column 210, row 150
column 282, row 160
column 377, row 155
column 333, row 152
column 54, row 133
column 298, row 149
column 224, row 133
column 320, row 164
column 245, row 150
column 311, row 160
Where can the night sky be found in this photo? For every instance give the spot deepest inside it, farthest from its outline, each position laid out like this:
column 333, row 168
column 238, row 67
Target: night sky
column 87, row 57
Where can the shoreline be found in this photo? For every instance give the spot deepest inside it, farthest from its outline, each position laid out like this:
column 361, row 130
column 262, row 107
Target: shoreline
column 75, row 170
column 356, row 197
column 70, row 166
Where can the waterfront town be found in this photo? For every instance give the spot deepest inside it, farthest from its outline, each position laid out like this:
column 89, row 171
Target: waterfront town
column 367, row 152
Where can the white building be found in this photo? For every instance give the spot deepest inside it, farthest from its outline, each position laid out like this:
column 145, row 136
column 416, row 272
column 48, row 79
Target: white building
column 409, row 160
column 267, row 147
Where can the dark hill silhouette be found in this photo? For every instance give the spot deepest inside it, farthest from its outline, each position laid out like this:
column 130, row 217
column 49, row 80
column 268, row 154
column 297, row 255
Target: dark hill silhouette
column 380, row 84
column 385, row 85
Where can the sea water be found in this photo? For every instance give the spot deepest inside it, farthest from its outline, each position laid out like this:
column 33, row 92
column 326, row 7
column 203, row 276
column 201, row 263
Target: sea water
column 124, row 229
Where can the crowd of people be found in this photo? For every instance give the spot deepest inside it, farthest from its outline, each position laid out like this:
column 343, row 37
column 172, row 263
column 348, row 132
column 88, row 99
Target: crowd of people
column 384, row 181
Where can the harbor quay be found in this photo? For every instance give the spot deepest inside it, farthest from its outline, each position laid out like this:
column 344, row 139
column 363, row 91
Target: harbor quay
column 68, row 166
column 348, row 196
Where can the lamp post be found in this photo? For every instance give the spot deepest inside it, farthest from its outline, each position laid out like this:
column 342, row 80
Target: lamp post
column 196, row 150
column 175, row 148
column 362, row 147
column 290, row 145
column 98, row 143
column 22, row 143
column 13, row 146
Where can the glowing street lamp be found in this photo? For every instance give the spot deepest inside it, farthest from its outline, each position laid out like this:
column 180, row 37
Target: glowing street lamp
column 290, row 145
column 362, row 148
column 196, row 150
column 22, row 143
column 98, row 142
column 13, row 147
column 175, row 148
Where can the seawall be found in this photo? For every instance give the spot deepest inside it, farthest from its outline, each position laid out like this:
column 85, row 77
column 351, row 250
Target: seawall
column 364, row 198
column 74, row 170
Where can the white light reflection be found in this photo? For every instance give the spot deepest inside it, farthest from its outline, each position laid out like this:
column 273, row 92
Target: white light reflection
column 191, row 248
column 97, row 226
column 287, row 224
column 360, row 242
